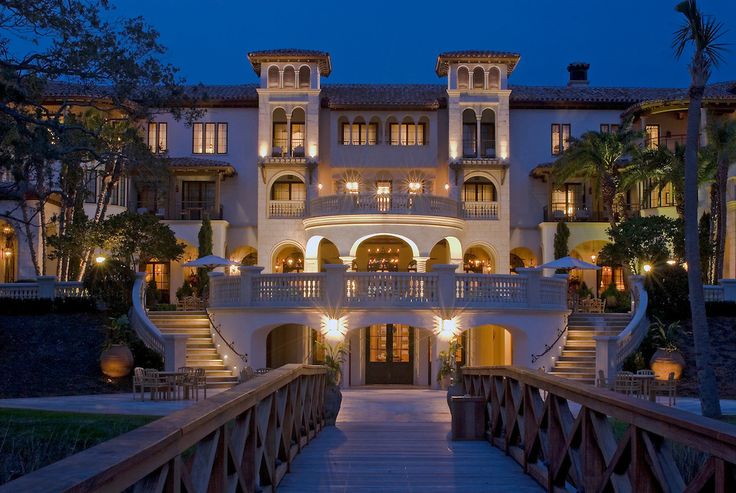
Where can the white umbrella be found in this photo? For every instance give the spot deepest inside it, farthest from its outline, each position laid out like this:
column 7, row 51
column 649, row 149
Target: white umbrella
column 569, row 263
column 210, row 262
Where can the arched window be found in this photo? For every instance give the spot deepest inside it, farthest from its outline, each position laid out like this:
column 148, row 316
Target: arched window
column 374, row 129
column 479, row 189
column 463, row 78
column 423, row 131
column 469, row 133
column 304, row 77
column 408, row 132
column 343, row 127
column 280, row 135
column 289, row 77
column 298, row 132
column 359, row 135
column 392, row 131
column 494, row 78
column 288, row 187
column 478, row 78
column 488, row 134
column 273, row 77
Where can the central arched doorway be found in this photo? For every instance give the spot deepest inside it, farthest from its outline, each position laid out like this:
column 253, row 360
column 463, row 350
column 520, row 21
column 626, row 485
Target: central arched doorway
column 384, row 254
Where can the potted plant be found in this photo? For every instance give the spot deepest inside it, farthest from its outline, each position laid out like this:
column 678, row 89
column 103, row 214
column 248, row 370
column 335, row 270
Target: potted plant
column 334, row 357
column 667, row 359
column 116, row 359
column 449, row 375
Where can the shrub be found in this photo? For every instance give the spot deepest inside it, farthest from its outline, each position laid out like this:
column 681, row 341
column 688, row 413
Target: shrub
column 667, row 288
column 112, row 283
column 163, row 307
column 11, row 306
column 721, row 308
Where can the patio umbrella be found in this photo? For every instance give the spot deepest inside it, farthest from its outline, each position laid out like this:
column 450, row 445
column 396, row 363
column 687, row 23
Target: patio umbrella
column 210, row 262
column 569, row 263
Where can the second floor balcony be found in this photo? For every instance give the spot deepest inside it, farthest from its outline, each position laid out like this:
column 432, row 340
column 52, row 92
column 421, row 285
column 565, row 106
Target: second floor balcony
column 573, row 213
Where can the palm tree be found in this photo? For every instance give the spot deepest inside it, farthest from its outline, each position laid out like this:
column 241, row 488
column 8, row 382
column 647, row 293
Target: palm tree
column 597, row 157
column 703, row 33
column 720, row 152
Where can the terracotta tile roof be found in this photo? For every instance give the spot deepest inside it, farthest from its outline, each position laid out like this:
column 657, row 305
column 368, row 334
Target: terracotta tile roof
column 624, row 96
column 240, row 93
column 198, row 163
column 322, row 58
column 482, row 56
column 389, row 96
column 720, row 92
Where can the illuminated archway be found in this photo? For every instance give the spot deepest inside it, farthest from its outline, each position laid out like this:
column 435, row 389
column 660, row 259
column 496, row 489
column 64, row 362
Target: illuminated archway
column 8, row 252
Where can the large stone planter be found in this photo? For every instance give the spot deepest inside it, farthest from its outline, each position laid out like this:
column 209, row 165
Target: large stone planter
column 665, row 362
column 116, row 361
column 455, row 389
column 333, row 400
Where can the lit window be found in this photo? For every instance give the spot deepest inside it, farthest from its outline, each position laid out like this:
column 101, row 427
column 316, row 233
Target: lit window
column 560, row 138
column 652, row 136
column 407, row 134
column 352, row 187
column 157, row 138
column 383, row 187
column 209, row 138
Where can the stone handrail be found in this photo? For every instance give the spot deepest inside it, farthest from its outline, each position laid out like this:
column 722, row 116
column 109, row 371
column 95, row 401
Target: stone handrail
column 139, row 321
column 243, row 439
column 389, row 203
column 562, row 433
column 19, row 290
column 336, row 288
column 724, row 291
column 611, row 351
column 480, row 210
column 286, row 209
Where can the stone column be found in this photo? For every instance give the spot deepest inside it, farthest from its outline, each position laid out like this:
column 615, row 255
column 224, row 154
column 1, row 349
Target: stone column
column 46, row 287
column 533, row 285
column 334, row 289
column 247, row 273
column 446, row 288
column 347, row 261
column 729, row 289
column 606, row 351
column 477, row 134
column 175, row 351
column 421, row 263
column 288, row 136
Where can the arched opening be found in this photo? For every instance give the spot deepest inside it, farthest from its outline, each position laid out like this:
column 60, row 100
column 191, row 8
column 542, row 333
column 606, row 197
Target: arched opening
column 440, row 254
column 273, row 77
column 470, row 135
column 521, row 257
column 463, row 78
column 479, row 78
column 480, row 198
column 328, row 254
column 392, row 131
column 494, row 78
column 288, row 258
column 486, row 345
column 8, row 252
column 304, row 77
column 359, row 132
column 293, row 344
column 374, row 131
column 408, row 132
column 478, row 260
column 488, row 134
column 289, row 77
column 243, row 255
column 298, row 132
column 287, row 198
column 280, row 134
column 343, row 126
column 384, row 253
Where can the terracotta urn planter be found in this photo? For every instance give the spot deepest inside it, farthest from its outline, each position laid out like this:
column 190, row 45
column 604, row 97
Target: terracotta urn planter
column 116, row 361
column 665, row 362
column 333, row 401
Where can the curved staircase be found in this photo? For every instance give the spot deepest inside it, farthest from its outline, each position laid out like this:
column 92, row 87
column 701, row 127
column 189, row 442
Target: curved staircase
column 201, row 349
column 577, row 360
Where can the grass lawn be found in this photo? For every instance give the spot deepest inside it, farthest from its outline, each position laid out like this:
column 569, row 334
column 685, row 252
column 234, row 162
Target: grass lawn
column 30, row 439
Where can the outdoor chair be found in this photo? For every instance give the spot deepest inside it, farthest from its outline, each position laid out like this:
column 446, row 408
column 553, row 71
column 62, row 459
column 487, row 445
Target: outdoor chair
column 158, row 385
column 262, row 371
column 138, row 382
column 667, row 387
column 195, row 379
column 602, row 381
column 645, row 372
column 246, row 374
column 626, row 384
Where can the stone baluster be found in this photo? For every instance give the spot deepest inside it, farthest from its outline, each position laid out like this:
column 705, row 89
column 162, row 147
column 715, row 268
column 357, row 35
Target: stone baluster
column 533, row 285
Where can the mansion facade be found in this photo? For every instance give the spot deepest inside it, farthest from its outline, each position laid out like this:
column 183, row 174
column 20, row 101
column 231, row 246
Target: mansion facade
column 296, row 175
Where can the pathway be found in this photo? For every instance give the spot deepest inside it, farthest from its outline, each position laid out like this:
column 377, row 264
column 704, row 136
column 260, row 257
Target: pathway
column 398, row 440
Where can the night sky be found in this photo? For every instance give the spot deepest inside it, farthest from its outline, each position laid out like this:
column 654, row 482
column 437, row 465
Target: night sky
column 627, row 42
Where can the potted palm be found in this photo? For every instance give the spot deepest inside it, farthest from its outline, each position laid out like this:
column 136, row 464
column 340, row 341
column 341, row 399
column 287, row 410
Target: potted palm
column 667, row 359
column 334, row 358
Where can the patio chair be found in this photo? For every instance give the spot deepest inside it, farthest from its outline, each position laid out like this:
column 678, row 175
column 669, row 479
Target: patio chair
column 626, row 384
column 667, row 387
column 596, row 305
column 138, row 382
column 156, row 384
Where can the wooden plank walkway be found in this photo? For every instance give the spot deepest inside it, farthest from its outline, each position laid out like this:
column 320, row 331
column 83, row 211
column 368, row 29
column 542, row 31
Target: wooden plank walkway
column 398, row 440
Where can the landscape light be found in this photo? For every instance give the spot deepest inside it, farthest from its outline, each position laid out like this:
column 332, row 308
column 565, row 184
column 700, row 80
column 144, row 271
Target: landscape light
column 647, row 268
column 100, row 259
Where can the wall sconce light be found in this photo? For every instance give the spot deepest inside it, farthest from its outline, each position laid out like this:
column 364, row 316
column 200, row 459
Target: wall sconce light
column 352, row 186
column 319, row 186
column 446, row 329
column 415, row 186
column 334, row 329
column 453, row 150
column 263, row 151
column 447, row 186
column 313, row 151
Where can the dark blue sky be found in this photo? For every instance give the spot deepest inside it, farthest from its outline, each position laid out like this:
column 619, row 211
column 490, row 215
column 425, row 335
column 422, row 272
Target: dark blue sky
column 627, row 42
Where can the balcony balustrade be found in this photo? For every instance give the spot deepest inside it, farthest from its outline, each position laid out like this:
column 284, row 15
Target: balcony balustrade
column 389, row 203
column 480, row 210
column 286, row 209
column 440, row 289
column 572, row 213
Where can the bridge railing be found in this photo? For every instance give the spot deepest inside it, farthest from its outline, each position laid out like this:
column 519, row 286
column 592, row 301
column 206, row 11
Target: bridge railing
column 243, row 439
column 44, row 287
column 442, row 288
column 572, row 437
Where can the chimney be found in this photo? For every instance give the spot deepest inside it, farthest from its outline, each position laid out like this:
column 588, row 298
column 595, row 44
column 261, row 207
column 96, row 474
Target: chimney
column 578, row 74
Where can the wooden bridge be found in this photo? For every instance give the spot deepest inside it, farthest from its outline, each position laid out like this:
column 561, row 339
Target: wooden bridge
column 268, row 433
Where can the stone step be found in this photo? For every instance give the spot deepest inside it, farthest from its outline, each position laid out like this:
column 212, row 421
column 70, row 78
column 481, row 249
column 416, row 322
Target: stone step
column 581, row 359
column 575, row 366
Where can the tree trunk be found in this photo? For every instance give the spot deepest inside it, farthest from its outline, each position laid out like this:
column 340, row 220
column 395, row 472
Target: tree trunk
column 29, row 235
column 721, row 182
column 708, row 387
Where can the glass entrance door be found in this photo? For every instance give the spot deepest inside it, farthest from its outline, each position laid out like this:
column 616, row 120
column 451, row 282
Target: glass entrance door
column 389, row 354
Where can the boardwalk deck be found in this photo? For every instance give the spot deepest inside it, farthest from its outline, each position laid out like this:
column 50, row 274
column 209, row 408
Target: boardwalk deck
column 398, row 440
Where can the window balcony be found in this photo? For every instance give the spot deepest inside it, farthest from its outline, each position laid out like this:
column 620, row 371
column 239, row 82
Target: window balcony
column 286, row 209
column 389, row 203
column 480, row 210
column 573, row 213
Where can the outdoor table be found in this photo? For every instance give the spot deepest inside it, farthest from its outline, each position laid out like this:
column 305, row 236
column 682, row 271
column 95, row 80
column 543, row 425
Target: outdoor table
column 172, row 378
column 647, row 385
